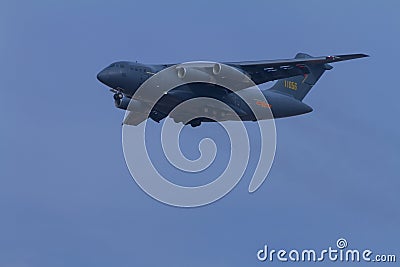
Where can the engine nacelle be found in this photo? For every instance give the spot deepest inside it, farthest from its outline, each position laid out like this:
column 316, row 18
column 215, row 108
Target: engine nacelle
column 216, row 68
column 123, row 103
column 193, row 74
column 181, row 71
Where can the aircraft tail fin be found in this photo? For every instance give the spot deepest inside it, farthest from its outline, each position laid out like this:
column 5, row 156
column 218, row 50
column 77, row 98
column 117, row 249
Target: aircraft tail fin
column 299, row 86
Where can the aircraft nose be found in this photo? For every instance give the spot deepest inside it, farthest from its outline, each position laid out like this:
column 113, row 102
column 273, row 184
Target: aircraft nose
column 102, row 76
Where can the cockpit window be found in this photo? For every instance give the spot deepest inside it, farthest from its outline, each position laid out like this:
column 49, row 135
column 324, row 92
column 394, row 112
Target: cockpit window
column 119, row 65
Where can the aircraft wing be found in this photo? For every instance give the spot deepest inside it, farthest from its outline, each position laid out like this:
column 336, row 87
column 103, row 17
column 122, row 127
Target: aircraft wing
column 269, row 70
column 134, row 118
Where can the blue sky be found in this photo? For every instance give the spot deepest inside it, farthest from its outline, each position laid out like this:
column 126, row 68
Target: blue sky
column 66, row 196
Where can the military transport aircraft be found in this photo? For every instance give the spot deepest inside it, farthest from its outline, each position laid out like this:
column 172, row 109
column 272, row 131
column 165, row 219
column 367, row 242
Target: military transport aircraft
column 295, row 79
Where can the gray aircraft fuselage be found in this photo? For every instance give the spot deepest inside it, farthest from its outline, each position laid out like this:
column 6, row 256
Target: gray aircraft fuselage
column 126, row 78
